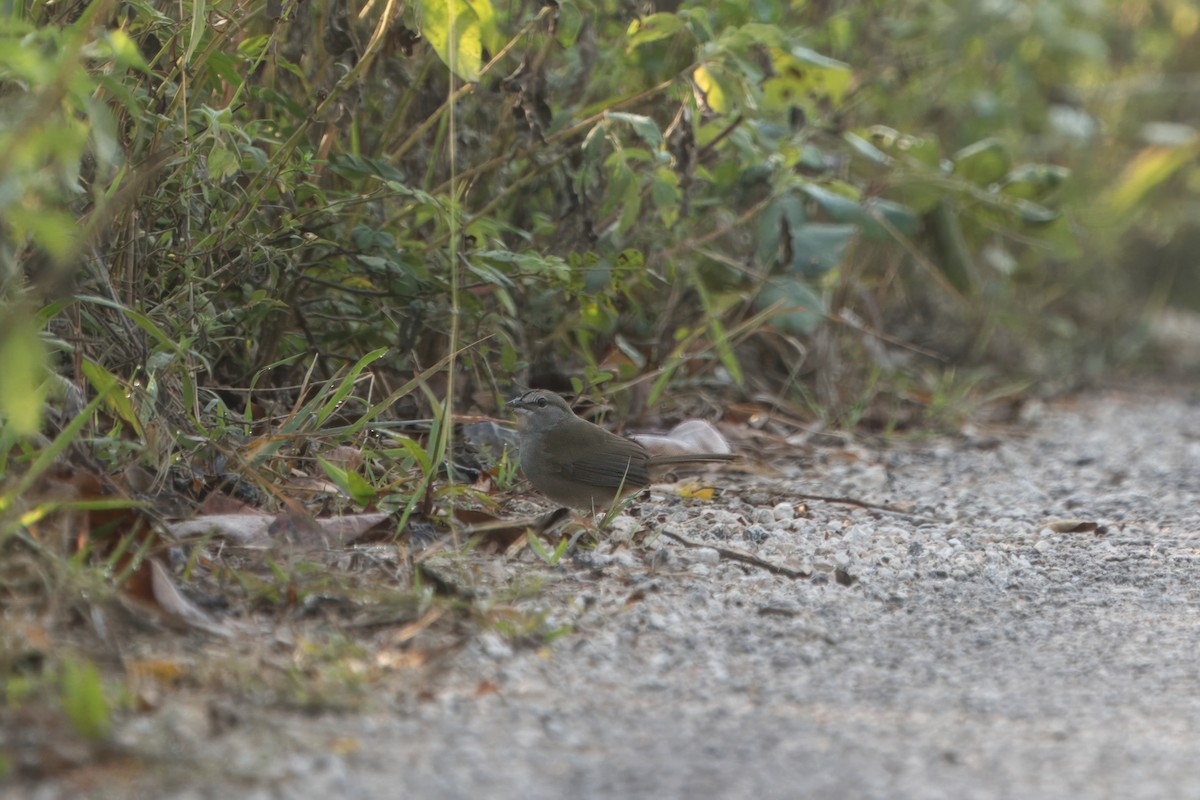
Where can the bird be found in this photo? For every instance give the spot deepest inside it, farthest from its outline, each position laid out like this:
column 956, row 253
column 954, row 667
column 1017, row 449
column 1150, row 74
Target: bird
column 578, row 464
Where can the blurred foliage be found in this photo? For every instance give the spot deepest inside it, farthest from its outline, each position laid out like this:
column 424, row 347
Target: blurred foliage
column 226, row 189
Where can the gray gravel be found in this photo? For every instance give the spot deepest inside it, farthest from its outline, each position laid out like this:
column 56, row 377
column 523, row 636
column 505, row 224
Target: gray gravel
column 977, row 653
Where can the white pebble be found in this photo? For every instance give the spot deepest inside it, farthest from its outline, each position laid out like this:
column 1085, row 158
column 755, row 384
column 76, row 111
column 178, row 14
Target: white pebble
column 784, row 511
column 623, row 528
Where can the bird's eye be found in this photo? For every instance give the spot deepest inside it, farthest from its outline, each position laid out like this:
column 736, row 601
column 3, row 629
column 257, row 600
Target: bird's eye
column 541, row 402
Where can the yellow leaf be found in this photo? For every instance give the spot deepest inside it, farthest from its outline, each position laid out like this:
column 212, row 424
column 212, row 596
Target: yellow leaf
column 159, row 670
column 710, row 85
column 452, row 28
column 1148, row 169
column 492, row 39
column 698, row 491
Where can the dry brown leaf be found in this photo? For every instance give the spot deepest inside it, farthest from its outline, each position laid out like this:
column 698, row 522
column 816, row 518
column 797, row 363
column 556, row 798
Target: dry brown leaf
column 345, row 456
column 173, row 602
column 296, row 526
column 220, row 503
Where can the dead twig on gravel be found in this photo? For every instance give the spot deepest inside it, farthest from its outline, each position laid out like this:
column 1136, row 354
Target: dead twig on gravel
column 731, row 554
column 850, row 501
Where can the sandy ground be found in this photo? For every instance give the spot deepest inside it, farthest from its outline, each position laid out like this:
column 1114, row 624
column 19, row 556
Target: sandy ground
column 981, row 649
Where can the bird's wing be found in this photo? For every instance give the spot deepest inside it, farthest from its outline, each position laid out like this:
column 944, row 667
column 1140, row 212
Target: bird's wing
column 623, row 464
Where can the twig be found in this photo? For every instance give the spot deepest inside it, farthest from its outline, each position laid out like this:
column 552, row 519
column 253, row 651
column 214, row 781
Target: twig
column 850, row 501
column 731, row 554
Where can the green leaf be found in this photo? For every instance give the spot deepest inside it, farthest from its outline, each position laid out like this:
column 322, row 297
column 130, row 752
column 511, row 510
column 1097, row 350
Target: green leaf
column 842, row 208
column 814, row 59
column 452, row 28
column 1056, row 237
column 783, row 213
column 223, row 162
column 350, row 482
column 347, row 165
column 1033, row 213
column 83, row 699
column 752, row 36
column 839, row 207
column 193, row 40
column 631, row 207
column 898, row 216
column 23, row 378
column 104, row 382
column 126, row 51
column 56, row 232
column 347, row 384
column 806, row 79
column 720, row 338
column 570, row 22
column 252, row 47
column 411, row 449
column 489, row 33
column 800, row 309
column 1038, row 182
column 664, row 191
column 646, row 128
column 867, row 150
column 983, row 163
column 652, row 28
column 819, row 247
column 891, row 143
column 140, row 319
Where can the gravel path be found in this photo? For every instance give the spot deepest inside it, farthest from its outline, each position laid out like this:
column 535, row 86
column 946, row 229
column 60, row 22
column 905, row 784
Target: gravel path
column 976, row 653
column 980, row 657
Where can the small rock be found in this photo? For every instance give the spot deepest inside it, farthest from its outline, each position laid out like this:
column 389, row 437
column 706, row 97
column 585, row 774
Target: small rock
column 757, row 534
column 763, row 516
column 659, row 559
column 624, row 558
column 623, row 528
column 494, row 646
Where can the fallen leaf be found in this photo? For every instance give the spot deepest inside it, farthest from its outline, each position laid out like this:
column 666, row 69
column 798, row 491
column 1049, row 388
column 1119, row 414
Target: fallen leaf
column 244, row 530
column 690, row 437
column 1073, row 526
column 176, row 605
column 159, row 670
column 221, row 503
column 697, row 490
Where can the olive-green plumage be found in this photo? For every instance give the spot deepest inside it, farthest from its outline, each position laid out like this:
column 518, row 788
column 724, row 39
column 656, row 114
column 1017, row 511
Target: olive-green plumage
column 582, row 465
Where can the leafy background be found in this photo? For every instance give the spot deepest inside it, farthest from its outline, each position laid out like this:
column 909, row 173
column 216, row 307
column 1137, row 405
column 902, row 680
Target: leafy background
column 235, row 237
